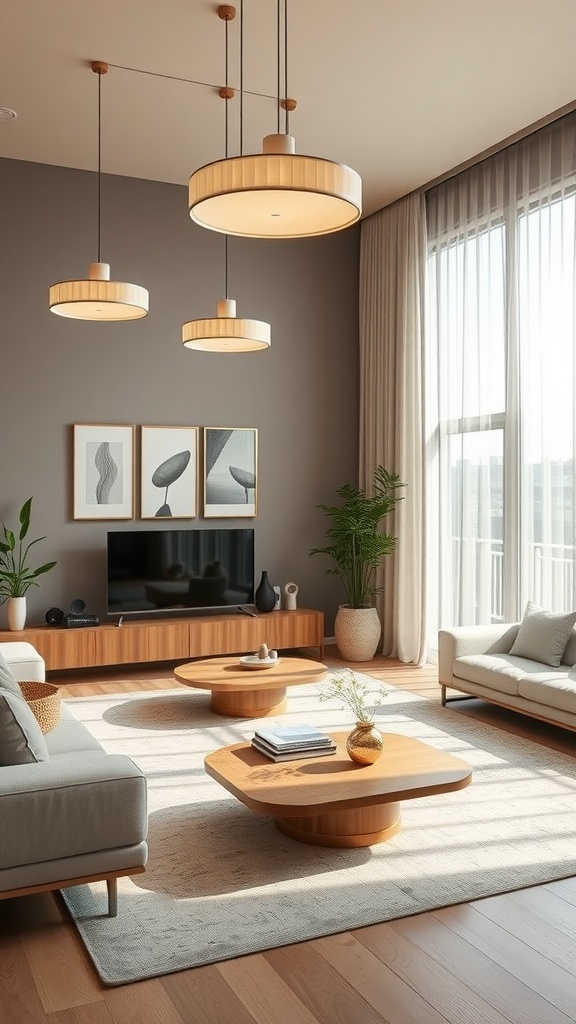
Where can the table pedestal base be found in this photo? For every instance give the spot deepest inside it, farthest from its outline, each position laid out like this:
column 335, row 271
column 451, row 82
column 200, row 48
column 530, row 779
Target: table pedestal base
column 248, row 703
column 358, row 826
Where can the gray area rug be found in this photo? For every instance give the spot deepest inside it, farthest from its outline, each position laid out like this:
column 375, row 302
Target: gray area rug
column 222, row 881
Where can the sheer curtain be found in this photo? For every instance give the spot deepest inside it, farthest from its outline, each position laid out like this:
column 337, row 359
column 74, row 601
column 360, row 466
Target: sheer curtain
column 499, row 384
column 392, row 261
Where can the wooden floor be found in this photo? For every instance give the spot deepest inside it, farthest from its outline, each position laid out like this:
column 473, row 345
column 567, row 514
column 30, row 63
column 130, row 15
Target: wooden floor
column 509, row 958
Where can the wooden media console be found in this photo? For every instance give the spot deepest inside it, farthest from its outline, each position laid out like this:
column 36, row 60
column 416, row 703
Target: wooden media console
column 172, row 639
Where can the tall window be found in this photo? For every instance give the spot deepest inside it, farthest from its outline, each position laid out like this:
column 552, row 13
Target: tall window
column 500, row 382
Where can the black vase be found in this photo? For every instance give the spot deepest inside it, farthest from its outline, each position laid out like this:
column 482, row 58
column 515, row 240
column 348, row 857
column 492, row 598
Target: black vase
column 265, row 596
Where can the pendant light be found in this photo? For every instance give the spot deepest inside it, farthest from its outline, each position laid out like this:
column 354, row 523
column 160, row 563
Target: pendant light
column 97, row 297
column 277, row 193
column 226, row 332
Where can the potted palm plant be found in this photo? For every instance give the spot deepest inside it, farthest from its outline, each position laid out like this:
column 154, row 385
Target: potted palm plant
column 16, row 576
column 357, row 544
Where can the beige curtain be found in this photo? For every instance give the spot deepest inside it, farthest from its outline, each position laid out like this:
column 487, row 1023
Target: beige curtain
column 392, row 262
column 501, row 382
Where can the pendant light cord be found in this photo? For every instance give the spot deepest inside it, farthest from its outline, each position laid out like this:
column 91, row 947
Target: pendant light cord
column 278, row 74
column 241, row 77
column 287, row 117
column 282, row 97
column 99, row 247
column 226, row 155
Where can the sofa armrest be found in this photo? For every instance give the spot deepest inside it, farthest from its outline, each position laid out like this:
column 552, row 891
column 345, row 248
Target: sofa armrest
column 459, row 641
column 70, row 806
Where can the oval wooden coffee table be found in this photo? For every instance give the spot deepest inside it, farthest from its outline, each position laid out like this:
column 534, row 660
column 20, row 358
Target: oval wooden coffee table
column 248, row 693
column 331, row 801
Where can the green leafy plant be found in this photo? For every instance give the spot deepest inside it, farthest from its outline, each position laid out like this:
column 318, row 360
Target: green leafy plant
column 360, row 698
column 356, row 543
column 16, row 577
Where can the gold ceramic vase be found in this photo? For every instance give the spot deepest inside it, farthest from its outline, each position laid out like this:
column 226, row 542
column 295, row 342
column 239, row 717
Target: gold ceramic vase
column 365, row 743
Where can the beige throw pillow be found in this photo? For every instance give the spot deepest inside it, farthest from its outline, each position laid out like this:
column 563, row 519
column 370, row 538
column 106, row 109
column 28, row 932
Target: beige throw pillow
column 21, row 739
column 543, row 635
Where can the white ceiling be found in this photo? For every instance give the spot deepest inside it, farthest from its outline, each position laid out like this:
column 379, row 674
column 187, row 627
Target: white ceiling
column 401, row 90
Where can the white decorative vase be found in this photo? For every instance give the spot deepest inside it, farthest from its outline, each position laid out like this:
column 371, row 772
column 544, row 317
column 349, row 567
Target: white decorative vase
column 16, row 608
column 357, row 632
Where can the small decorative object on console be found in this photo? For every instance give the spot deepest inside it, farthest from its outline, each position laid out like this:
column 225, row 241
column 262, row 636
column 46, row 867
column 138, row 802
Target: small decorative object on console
column 54, row 616
column 265, row 597
column 291, row 589
column 78, row 617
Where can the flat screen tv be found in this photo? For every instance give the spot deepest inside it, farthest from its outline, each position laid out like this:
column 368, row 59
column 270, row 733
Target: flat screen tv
column 178, row 570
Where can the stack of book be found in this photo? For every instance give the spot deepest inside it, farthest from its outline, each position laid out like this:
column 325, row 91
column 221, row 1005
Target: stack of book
column 290, row 742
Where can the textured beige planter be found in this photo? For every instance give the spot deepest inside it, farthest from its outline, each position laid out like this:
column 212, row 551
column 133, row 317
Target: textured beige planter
column 357, row 632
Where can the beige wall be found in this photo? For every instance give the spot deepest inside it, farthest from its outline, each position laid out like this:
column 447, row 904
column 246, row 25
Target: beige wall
column 301, row 394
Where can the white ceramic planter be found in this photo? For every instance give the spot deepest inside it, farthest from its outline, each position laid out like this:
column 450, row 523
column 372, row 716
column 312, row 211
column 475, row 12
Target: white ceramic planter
column 16, row 609
column 357, row 632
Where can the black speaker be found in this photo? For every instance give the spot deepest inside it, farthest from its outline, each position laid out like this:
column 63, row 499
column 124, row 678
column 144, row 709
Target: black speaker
column 77, row 606
column 54, row 616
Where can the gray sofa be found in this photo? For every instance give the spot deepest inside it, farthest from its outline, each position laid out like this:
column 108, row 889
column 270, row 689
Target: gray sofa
column 72, row 813
column 479, row 661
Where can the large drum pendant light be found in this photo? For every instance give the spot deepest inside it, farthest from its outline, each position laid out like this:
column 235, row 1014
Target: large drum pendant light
column 226, row 332
column 97, row 297
column 277, row 193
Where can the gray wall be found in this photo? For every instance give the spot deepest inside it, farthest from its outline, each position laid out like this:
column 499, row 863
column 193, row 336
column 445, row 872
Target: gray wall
column 302, row 394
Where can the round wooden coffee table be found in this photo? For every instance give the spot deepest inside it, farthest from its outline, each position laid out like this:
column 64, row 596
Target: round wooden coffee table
column 248, row 693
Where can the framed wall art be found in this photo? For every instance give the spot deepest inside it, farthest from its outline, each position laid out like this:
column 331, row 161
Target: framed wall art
column 230, row 471
column 103, row 481
column 168, row 472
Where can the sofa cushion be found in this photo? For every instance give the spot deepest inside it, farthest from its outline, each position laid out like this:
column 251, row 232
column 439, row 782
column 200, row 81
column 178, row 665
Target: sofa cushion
column 543, row 635
column 500, row 672
column 21, row 739
column 24, row 660
column 70, row 738
column 569, row 656
column 8, row 680
column 553, row 691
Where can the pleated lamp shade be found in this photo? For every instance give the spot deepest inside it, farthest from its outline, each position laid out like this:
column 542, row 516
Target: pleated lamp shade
column 99, row 298
column 275, row 194
column 226, row 332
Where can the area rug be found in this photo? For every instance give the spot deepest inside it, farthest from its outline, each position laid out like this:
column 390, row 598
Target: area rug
column 222, row 881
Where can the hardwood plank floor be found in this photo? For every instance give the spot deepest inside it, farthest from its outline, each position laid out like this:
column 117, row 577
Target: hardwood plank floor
column 507, row 959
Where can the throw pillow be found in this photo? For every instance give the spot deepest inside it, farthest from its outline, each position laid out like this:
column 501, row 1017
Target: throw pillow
column 8, row 680
column 543, row 635
column 21, row 739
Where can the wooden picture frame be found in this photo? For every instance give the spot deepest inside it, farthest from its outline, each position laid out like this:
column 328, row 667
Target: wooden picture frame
column 230, row 472
column 168, row 472
column 103, row 473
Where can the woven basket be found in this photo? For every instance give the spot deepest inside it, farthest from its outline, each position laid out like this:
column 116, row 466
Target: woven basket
column 44, row 701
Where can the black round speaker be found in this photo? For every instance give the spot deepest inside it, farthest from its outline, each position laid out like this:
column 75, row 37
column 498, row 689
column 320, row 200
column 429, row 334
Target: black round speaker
column 54, row 616
column 77, row 606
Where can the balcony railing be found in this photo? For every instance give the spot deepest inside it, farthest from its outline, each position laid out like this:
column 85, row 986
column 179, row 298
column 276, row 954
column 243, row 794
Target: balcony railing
column 479, row 562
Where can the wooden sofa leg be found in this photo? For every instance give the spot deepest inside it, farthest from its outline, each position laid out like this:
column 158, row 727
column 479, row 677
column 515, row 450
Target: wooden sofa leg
column 112, row 886
column 443, row 694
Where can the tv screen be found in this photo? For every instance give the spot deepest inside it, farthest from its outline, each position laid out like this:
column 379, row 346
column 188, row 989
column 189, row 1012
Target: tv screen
column 177, row 570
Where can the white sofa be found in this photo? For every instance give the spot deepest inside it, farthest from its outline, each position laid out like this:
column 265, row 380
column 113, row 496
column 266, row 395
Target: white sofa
column 76, row 815
column 476, row 660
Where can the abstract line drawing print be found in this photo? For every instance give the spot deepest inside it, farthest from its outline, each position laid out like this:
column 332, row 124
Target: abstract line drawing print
column 230, row 483
column 103, row 471
column 106, row 458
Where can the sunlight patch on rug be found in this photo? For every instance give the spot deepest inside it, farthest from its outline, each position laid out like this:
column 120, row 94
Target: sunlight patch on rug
column 222, row 881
